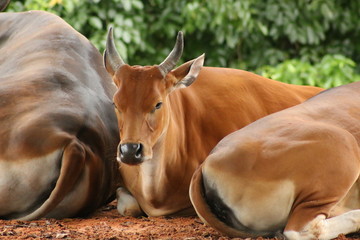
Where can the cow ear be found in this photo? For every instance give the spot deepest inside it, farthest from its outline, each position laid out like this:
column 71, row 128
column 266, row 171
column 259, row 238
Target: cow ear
column 188, row 72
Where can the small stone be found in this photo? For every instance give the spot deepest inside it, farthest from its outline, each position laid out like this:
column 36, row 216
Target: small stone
column 61, row 235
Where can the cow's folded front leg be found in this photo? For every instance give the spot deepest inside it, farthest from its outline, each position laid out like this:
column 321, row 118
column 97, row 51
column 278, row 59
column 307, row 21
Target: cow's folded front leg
column 127, row 205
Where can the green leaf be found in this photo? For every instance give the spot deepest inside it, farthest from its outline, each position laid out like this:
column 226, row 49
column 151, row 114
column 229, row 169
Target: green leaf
column 126, row 36
column 126, row 4
column 263, row 28
column 326, row 11
column 137, row 4
column 69, row 5
column 95, row 22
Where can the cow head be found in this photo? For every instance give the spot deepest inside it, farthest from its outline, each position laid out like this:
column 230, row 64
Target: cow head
column 141, row 102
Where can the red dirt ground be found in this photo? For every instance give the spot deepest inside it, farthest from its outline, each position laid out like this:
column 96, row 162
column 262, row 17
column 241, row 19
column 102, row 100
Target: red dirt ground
column 107, row 224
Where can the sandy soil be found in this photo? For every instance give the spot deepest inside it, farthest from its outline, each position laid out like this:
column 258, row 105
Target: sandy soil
column 107, row 224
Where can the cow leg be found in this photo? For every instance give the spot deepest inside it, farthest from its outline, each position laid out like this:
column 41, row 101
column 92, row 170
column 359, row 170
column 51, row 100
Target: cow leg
column 127, row 205
column 322, row 228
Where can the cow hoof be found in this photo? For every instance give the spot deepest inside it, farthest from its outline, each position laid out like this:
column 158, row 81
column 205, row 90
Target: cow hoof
column 127, row 204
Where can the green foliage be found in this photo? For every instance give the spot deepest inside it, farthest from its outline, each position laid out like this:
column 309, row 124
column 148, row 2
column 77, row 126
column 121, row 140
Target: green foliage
column 243, row 34
column 93, row 17
column 331, row 71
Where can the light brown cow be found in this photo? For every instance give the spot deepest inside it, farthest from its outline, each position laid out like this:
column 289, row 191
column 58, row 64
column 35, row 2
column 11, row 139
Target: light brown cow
column 167, row 130
column 290, row 171
column 57, row 124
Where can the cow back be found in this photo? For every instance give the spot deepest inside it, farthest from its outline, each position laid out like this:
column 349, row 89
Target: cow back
column 54, row 91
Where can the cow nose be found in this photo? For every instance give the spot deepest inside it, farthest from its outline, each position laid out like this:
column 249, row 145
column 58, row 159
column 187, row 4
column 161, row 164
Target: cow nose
column 131, row 153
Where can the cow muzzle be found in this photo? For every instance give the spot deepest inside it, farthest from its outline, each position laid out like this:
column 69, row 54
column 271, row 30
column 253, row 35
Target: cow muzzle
column 131, row 153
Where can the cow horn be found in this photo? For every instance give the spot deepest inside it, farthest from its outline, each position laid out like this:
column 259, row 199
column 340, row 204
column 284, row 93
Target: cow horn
column 170, row 62
column 3, row 4
column 111, row 56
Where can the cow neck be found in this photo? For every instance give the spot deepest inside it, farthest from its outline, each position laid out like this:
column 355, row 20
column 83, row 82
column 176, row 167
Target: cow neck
column 169, row 163
column 178, row 140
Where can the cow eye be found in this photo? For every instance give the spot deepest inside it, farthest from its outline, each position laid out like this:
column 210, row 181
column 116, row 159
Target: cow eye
column 158, row 105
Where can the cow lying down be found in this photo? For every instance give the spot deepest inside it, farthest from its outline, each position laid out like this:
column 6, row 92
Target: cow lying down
column 292, row 171
column 57, row 124
column 171, row 117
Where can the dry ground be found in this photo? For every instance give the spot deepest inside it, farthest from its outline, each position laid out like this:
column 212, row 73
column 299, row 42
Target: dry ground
column 107, row 224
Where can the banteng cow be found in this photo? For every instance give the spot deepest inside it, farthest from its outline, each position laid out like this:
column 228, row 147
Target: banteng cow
column 57, row 124
column 167, row 130
column 294, row 171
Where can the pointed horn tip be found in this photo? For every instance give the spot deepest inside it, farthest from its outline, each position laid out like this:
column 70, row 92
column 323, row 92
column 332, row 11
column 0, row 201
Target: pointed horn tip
column 180, row 37
column 110, row 38
column 202, row 58
column 110, row 33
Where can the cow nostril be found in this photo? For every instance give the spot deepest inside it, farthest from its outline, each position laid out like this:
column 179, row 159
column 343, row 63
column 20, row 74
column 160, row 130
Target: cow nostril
column 138, row 153
column 122, row 148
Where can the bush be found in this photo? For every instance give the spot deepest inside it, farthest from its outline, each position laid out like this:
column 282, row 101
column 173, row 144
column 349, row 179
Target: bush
column 244, row 34
column 331, row 71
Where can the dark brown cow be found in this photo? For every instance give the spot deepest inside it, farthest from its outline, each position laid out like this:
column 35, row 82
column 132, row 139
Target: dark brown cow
column 57, row 124
column 291, row 171
column 167, row 130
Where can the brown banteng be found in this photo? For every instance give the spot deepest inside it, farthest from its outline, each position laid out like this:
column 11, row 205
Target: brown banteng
column 291, row 171
column 57, row 124
column 167, row 130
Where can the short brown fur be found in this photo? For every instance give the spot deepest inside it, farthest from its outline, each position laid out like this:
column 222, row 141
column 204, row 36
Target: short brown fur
column 177, row 137
column 310, row 152
column 57, row 124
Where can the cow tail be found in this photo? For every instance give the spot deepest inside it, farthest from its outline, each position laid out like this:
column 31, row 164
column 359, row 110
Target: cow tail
column 203, row 210
column 3, row 4
column 72, row 167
